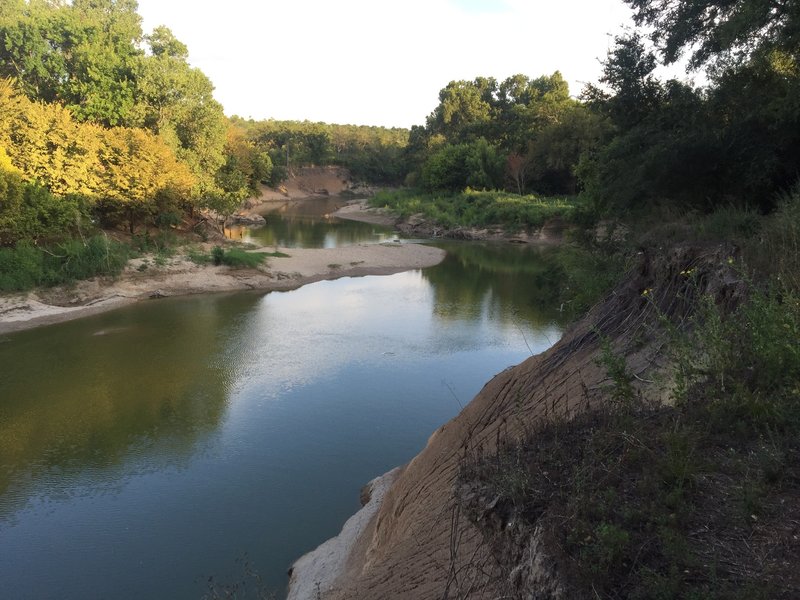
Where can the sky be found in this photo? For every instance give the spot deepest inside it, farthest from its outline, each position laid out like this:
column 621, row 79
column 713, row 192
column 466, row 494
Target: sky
column 380, row 62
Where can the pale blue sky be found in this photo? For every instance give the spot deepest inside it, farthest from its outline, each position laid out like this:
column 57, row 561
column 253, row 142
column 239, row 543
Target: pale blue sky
column 379, row 63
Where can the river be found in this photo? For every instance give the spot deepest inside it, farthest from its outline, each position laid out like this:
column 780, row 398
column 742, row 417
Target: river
column 146, row 450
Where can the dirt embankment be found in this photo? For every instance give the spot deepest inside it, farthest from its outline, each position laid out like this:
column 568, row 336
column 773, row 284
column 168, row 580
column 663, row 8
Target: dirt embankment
column 314, row 182
column 417, row 546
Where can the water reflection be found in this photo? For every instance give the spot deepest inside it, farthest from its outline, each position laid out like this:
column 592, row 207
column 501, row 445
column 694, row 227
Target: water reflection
column 309, row 224
column 501, row 280
column 88, row 394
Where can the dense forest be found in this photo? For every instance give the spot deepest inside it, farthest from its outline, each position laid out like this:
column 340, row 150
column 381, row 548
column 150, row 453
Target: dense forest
column 632, row 140
column 104, row 123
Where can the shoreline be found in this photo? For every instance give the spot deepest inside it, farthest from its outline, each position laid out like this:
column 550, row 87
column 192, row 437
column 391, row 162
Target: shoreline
column 417, row 227
column 317, row 571
column 180, row 277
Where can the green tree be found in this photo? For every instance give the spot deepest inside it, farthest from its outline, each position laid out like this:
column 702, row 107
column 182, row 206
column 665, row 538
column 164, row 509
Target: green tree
column 455, row 167
column 176, row 102
column 82, row 54
column 728, row 30
column 464, row 111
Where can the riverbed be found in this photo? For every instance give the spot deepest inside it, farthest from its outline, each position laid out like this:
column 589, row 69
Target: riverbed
column 164, row 447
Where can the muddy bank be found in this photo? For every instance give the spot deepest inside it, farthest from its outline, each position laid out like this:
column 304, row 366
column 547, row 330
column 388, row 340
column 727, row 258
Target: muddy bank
column 143, row 280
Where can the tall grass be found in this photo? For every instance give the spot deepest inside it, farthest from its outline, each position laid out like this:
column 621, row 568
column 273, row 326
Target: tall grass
column 27, row 266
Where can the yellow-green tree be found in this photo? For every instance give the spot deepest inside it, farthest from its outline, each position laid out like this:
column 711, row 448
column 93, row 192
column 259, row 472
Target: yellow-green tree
column 140, row 174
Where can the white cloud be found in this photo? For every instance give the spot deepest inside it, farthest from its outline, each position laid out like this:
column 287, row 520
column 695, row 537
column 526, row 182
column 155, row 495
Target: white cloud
column 379, row 63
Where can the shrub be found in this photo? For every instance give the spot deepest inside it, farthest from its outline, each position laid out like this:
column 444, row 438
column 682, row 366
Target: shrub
column 27, row 266
column 480, row 209
column 237, row 258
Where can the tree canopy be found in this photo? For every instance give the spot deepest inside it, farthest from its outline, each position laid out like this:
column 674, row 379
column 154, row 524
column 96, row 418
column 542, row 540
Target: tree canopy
column 727, row 30
column 517, row 126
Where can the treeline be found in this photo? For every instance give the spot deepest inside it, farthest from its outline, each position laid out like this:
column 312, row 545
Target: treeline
column 633, row 141
column 520, row 134
column 102, row 123
column 372, row 154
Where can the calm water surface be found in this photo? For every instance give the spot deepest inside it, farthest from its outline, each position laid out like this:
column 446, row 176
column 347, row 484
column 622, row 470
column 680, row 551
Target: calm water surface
column 309, row 224
column 146, row 449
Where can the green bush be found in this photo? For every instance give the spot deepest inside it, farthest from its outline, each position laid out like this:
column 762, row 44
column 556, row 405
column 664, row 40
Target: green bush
column 480, row 209
column 30, row 212
column 238, row 258
column 27, row 266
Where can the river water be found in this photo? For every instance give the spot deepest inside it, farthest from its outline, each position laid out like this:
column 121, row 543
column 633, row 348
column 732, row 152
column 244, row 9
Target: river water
column 146, row 450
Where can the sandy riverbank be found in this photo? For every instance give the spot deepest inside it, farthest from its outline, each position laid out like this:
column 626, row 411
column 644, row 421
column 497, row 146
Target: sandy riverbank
column 180, row 276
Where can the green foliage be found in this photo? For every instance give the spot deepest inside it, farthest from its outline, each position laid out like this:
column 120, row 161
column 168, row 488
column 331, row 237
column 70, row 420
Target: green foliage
column 87, row 57
column 719, row 29
column 26, row 266
column 199, row 257
column 217, row 254
column 620, row 391
column 83, row 55
column 372, row 154
column 524, row 133
column 479, row 209
column 30, row 212
column 733, row 144
column 476, row 165
column 237, row 258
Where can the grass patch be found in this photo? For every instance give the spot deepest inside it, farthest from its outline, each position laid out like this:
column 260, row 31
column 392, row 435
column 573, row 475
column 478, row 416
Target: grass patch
column 27, row 266
column 480, row 209
column 199, row 257
column 234, row 257
column 237, row 258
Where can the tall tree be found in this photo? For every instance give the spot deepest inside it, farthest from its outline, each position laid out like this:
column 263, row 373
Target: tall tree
column 176, row 101
column 720, row 29
column 83, row 54
column 464, row 110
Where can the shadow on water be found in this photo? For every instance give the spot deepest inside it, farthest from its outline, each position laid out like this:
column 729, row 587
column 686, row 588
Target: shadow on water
column 506, row 282
column 86, row 395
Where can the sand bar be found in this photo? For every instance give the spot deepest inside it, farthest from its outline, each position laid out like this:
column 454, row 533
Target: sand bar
column 179, row 276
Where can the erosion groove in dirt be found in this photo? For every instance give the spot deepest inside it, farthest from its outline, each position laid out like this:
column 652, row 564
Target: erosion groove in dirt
column 418, row 546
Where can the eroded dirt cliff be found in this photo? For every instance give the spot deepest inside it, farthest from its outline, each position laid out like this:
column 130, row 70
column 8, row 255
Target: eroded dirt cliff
column 418, row 546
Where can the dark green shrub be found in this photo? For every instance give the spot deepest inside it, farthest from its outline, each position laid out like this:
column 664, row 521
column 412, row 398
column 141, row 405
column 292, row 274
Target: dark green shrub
column 27, row 266
column 238, row 258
